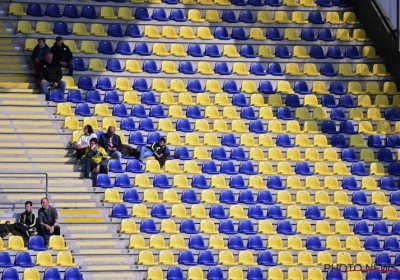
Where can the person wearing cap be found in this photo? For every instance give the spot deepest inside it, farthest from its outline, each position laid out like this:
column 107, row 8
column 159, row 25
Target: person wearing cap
column 50, row 74
column 62, row 55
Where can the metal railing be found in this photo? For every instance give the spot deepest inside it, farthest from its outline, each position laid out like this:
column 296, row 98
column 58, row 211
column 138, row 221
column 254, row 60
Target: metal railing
column 38, row 175
column 390, row 14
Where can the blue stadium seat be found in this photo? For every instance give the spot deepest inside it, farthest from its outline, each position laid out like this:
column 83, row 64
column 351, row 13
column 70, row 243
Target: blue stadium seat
column 10, row 274
column 228, row 197
column 381, row 228
column 89, row 12
column 265, row 197
column 103, row 181
column 285, row 227
column 347, row 127
column 147, row 124
column 361, row 228
column 352, row 52
column 394, row 197
column 194, row 112
column 139, row 111
column 315, row 17
column 114, row 65
column 186, row 67
column 338, row 114
column 142, row 49
column 239, row 33
column 61, row 28
column 228, row 167
column 238, row 154
column 282, row 52
column 119, row 211
column 71, row 11
column 161, row 181
column 246, row 167
column 215, row 273
column 303, row 168
column 284, row 114
column 266, row 258
column 240, row 100
column 325, row 34
column 328, row 101
column 387, row 183
column 324, row 3
column 293, row 100
column 370, row 213
column 255, row 242
column 246, row 17
column 124, row 48
column 140, row 84
column 57, row 95
column 349, row 155
column 343, row 3
column 360, row 198
column 396, row 228
column 123, row 181
column 394, row 169
column 159, row 211
column 52, row 273
column 105, row 47
column 205, row 258
column 300, row 87
column 235, row 242
column 79, row 65
column 75, row 96
column 317, row 52
column 230, row 86
column 227, row 227
column 386, row 155
column 274, row 34
column 382, row 259
column 209, row 167
column 256, row 68
column 182, row 152
column 188, row 226
column 248, row 113
column 257, row 126
column 174, row 273
column 283, row 140
column 196, row 242
column 36, row 243
column 189, row 196
column 160, row 14
column 337, row 88
column 52, row 10
column 247, row 51
column 246, row 227
column 177, row 15
column 314, row 243
column 256, row 2
column 115, row 30
column 183, row 125
column 153, row 137
column 229, row 16
column 350, row 183
column 375, row 141
column 136, row 138
column 149, row 98
column 372, row 243
column 132, row 30
column 221, row 33
column 170, row 2
column 327, row 69
column 200, row 182
column 393, row 141
column 142, row 14
column 339, row 141
column 112, row 97
column 391, row 244
column 275, row 69
column 222, row 68
column 114, row 165
column 275, row 183
column 157, row 111
column 392, row 114
column 148, row 226
column 313, row 213
column 195, row 86
column 347, row 101
column 246, row 197
column 239, row 2
column 236, row 181
column 218, row 212
column 333, row 274
column 335, row 52
column 34, row 10
column 308, row 34
column 134, row 166
column 359, row 169
column 150, row 66
column 229, row 140
column 212, row 51
column 275, row 212
column 219, row 153
column 273, row 3
column 193, row 50
column 83, row 109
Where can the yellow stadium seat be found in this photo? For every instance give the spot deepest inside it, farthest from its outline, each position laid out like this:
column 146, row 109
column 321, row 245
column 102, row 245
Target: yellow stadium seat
column 281, row 17
column 285, row 258
column 321, row 141
column 65, row 259
column 69, row 81
column 239, row 68
column 204, row 33
column 284, row 197
column 157, row 242
column 355, row 87
column 382, row 101
column 346, row 70
column 159, row 85
column 319, row 88
column 24, row 27
column 353, row 243
column 257, row 183
column 374, row 114
column 319, row 113
column 266, row 113
column 167, row 98
column 212, row 16
column 265, row 52
column 322, row 197
column 256, row 34
column 201, row 153
column 78, row 29
column 176, row 241
column 366, row 128
column 210, row 139
column 275, row 243
column 311, row 101
column 343, row 35
column 186, row 32
column 165, row 125
column 91, row 121
column 284, row 168
column 213, row 86
column 198, row 211
column 245, row 258
column 333, row 18
column 310, row 69
column 291, row 35
column 291, row 3
column 175, row 111
column 112, row 196
column 266, row 227
column 146, row 258
column 369, row 52
column 237, row 212
column 354, row 275
column 218, row 182
column 293, row 154
column 185, row 98
column 302, row 114
column 208, row 196
column 293, row 69
column 177, row 50
column 275, row 100
column 305, row 259
column 205, row 2
column 264, row 17
column 216, row 242
column 142, row 181
column 265, row 168
column 133, row 66
column 333, row 243
column 300, row 52
column 312, row 154
column 97, row 29
column 31, row 274
column 364, row 101
column 390, row 88
column 226, row 258
column 174, row 139
column 42, row 27
column 380, row 70
column 140, row 211
column 151, row 31
column 154, row 273
column 236, row 273
column 388, row 213
column 294, row 213
column 369, row 183
column 275, row 273
column 177, row 85
column 153, row 166
column 299, row 18
column 172, row 166
column 194, row 15
column 96, row 65
column 220, row 126
column 88, row 47
column 257, row 100
column 350, row 18
column 30, row 43
column 230, row 51
column 379, row 198
column 265, row 140
column 331, row 182
column 170, row 196
column 343, row 258
column 159, row 49
column 314, row 273
column 16, row 9
column 295, row 273
column 284, row 87
column 308, row 3
column 293, row 183
column 188, row 2
column 195, row 272
column 229, row 112
column 383, row 127
column 101, row 110
column 303, row 197
column 321, row 168
column 360, row 35
column 294, row 243
column 275, row 154
column 128, row 226
column 72, row 123
column 363, row 70
column 355, row 114
column 64, row 109
column 179, row 211
column 125, row 13
column 341, row 198
column 247, row 140
column 166, row 257
column 122, row 84
column 324, row 258
column 221, row 99
column 239, row 126
column 44, row 259
column 323, row 228
column 343, row 228
column 107, row 13
column 302, row 141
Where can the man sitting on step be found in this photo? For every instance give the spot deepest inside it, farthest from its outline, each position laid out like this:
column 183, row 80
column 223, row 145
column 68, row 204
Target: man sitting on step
column 48, row 220
column 50, row 74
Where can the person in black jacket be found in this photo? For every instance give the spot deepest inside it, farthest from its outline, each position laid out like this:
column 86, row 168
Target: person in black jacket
column 50, row 74
column 39, row 53
column 63, row 55
column 158, row 149
column 111, row 142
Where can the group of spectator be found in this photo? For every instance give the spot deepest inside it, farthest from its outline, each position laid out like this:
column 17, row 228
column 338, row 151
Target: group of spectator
column 47, row 63
column 45, row 224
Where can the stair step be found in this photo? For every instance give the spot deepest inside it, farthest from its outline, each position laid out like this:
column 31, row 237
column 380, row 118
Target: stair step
column 83, row 220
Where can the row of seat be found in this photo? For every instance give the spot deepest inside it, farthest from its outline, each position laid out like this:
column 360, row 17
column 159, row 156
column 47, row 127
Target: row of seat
column 265, row 227
column 43, row 259
column 186, row 32
column 35, row 243
column 71, row 273
column 194, row 15
column 246, row 197
column 211, row 50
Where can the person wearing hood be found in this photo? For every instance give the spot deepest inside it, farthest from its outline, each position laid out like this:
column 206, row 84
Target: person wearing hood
column 39, row 53
column 63, row 55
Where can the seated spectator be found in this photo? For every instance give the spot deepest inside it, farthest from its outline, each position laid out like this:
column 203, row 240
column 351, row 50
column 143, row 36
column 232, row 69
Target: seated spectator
column 48, row 220
column 96, row 158
column 157, row 149
column 39, row 54
column 50, row 75
column 83, row 142
column 111, row 142
column 63, row 55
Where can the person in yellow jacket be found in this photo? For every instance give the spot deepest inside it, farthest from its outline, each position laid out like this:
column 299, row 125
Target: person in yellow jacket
column 96, row 158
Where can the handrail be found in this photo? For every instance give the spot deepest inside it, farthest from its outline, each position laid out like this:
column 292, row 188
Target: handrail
column 33, row 173
column 394, row 30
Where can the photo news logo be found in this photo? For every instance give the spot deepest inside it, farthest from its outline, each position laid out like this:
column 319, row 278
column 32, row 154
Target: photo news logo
column 361, row 268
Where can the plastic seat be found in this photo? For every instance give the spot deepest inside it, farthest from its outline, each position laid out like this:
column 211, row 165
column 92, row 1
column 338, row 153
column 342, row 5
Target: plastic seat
column 307, row 34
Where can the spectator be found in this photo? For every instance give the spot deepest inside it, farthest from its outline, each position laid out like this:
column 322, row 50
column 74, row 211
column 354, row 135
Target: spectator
column 111, row 143
column 63, row 55
column 157, row 149
column 48, row 220
column 50, row 75
column 83, row 142
column 96, row 158
column 39, row 54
